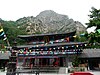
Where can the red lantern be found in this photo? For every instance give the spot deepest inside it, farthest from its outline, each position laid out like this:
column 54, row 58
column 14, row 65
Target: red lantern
column 50, row 48
column 24, row 52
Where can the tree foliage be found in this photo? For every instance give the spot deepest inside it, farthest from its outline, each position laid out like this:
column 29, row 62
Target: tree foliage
column 76, row 62
column 11, row 30
column 94, row 18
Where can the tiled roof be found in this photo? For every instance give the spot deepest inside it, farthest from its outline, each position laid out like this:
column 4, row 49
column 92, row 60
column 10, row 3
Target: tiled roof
column 49, row 34
column 52, row 45
column 90, row 53
column 4, row 55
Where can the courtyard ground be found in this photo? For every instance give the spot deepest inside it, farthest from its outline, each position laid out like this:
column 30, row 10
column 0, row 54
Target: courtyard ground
column 93, row 72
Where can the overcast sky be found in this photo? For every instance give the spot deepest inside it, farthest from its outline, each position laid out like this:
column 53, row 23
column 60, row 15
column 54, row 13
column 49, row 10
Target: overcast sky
column 75, row 9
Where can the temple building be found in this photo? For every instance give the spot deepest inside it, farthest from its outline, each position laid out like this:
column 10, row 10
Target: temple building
column 48, row 49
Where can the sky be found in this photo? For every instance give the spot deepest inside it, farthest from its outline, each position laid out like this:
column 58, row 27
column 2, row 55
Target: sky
column 78, row 10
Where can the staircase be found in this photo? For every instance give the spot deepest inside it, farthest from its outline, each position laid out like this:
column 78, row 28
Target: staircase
column 62, row 70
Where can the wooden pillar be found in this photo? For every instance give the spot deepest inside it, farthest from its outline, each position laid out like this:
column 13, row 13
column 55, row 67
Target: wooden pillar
column 41, row 62
column 63, row 62
column 46, row 61
column 17, row 62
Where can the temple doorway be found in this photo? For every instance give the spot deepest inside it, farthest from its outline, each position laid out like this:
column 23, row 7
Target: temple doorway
column 62, row 61
column 44, row 61
column 94, row 64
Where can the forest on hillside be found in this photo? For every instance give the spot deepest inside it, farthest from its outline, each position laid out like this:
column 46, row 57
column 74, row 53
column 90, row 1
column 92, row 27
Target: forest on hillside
column 11, row 31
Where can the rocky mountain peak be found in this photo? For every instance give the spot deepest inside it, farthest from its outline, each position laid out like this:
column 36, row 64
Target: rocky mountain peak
column 49, row 15
column 49, row 21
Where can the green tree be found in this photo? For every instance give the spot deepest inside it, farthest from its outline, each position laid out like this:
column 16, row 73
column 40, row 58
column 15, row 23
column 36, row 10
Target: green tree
column 94, row 21
column 94, row 18
column 76, row 61
column 12, row 31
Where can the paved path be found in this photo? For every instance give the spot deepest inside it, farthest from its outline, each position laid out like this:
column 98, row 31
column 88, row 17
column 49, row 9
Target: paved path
column 93, row 72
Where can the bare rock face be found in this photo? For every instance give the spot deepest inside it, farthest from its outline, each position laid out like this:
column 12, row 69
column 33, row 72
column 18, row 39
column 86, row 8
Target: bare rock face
column 79, row 27
column 50, row 22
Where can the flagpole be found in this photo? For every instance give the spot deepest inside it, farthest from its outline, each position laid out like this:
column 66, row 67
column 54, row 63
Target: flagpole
column 8, row 42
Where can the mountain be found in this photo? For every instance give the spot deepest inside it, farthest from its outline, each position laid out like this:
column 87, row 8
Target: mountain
column 80, row 27
column 49, row 21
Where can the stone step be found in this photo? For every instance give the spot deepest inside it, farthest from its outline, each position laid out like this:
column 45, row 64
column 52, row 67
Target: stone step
column 62, row 70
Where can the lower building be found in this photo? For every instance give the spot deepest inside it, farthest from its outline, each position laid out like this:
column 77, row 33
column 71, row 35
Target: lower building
column 4, row 58
column 50, row 55
column 91, row 57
